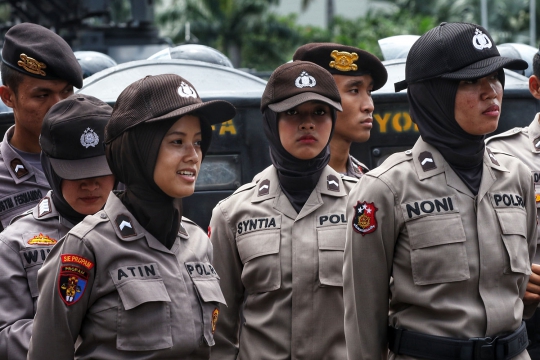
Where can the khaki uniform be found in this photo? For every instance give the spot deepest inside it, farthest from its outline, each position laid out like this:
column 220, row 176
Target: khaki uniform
column 459, row 263
column 281, row 270
column 23, row 248
column 120, row 294
column 21, row 184
column 355, row 168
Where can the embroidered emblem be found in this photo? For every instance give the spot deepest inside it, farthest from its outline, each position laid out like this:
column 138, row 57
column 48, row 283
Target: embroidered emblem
column 44, row 207
column 537, row 143
column 305, row 80
column 481, row 41
column 332, row 183
column 426, row 160
column 364, row 220
column 42, row 240
column 89, row 138
column 492, row 157
column 76, row 259
column 186, row 91
column 343, row 60
column 125, row 226
column 72, row 282
column 18, row 168
column 264, row 187
column 32, row 65
column 215, row 315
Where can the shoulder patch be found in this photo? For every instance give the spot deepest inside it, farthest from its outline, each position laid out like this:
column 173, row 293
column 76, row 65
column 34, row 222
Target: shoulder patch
column 393, row 160
column 72, row 281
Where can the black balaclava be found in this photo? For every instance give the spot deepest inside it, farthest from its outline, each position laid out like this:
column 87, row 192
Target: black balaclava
column 132, row 158
column 61, row 205
column 297, row 177
column 432, row 104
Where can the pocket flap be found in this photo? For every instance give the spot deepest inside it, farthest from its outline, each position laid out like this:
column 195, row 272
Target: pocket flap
column 435, row 230
column 136, row 292
column 513, row 221
column 209, row 290
column 257, row 244
column 332, row 238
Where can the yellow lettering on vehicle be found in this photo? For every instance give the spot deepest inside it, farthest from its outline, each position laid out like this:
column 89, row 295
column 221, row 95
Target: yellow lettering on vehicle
column 401, row 122
column 382, row 121
column 227, row 127
column 396, row 123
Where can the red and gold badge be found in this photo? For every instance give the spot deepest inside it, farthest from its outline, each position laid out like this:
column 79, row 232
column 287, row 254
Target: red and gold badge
column 364, row 220
column 41, row 239
column 215, row 315
column 72, row 282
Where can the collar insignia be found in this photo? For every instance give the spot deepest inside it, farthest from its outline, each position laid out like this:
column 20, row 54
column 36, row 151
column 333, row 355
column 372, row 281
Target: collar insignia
column 44, row 207
column 343, row 60
column 332, row 183
column 89, row 138
column 42, row 240
column 264, row 187
column 32, row 65
column 481, row 41
column 305, row 80
column 186, row 91
column 182, row 230
column 18, row 168
column 125, row 225
column 537, row 143
column 426, row 160
column 492, row 157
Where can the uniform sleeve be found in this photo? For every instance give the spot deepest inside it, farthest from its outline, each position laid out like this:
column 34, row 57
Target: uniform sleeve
column 16, row 305
column 528, row 310
column 367, row 270
column 229, row 268
column 57, row 324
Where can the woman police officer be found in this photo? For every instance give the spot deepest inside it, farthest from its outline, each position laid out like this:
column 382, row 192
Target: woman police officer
column 135, row 281
column 281, row 237
column 445, row 231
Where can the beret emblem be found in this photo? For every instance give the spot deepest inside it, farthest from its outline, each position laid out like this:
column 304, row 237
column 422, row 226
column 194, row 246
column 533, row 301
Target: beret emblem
column 343, row 60
column 32, row 65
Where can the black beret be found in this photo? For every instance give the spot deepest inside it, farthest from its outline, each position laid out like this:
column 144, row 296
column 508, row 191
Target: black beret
column 38, row 52
column 344, row 60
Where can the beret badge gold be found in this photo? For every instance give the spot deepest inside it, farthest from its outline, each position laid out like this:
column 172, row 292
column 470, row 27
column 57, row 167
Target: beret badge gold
column 32, row 65
column 344, row 61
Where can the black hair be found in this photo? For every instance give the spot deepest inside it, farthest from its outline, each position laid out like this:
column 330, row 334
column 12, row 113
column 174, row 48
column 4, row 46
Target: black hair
column 10, row 77
column 536, row 65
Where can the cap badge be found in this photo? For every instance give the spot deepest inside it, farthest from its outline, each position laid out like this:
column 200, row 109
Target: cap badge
column 186, row 91
column 89, row 138
column 18, row 168
column 32, row 65
column 305, row 80
column 344, row 61
column 481, row 41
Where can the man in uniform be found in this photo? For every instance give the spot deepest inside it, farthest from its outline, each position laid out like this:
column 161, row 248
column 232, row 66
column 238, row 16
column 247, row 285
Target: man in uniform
column 357, row 73
column 38, row 70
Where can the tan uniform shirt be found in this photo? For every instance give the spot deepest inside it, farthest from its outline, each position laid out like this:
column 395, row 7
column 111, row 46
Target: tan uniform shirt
column 355, row 168
column 460, row 263
column 119, row 293
column 24, row 245
column 281, row 270
column 21, row 184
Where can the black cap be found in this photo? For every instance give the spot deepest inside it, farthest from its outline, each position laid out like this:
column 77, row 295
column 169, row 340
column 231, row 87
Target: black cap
column 38, row 52
column 458, row 51
column 72, row 137
column 296, row 82
column 163, row 97
column 344, row 60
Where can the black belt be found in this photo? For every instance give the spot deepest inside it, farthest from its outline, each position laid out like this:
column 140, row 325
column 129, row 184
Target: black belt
column 404, row 342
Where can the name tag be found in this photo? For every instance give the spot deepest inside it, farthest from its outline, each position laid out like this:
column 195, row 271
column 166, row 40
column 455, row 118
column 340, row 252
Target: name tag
column 249, row 225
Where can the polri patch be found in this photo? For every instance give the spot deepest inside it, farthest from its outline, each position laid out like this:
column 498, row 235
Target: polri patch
column 41, row 239
column 76, row 259
column 364, row 221
column 264, row 187
column 200, row 270
column 332, row 182
column 427, row 161
column 72, row 282
column 18, row 168
column 215, row 315
column 125, row 225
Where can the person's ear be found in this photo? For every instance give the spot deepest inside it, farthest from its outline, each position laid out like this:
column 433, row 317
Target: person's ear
column 534, row 86
column 7, row 95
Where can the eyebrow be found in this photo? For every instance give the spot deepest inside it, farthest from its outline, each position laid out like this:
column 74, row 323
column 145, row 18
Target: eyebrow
column 356, row 82
column 181, row 133
column 46, row 89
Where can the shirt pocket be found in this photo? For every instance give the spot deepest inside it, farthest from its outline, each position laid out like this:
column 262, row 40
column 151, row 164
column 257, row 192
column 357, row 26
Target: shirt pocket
column 210, row 296
column 144, row 317
column 438, row 253
column 259, row 253
column 331, row 247
column 32, row 259
column 513, row 224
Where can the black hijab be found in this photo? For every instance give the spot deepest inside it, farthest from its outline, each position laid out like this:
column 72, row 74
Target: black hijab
column 432, row 104
column 297, row 177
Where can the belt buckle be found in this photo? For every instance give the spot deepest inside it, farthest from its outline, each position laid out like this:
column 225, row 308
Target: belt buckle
column 484, row 348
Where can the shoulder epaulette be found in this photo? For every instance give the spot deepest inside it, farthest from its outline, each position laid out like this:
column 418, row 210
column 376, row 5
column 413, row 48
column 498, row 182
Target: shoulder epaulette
column 90, row 222
column 20, row 216
column 389, row 163
column 242, row 188
column 508, row 133
column 191, row 222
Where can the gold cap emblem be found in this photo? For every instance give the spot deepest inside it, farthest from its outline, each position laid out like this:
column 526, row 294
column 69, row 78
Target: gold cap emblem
column 32, row 65
column 344, row 61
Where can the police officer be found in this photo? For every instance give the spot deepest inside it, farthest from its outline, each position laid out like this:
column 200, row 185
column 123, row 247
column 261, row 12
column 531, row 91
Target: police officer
column 135, row 280
column 74, row 163
column 357, row 73
column 281, row 237
column 441, row 237
column 38, row 70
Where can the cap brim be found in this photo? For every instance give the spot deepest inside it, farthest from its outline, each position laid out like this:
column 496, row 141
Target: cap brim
column 213, row 112
column 81, row 168
column 485, row 67
column 296, row 100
